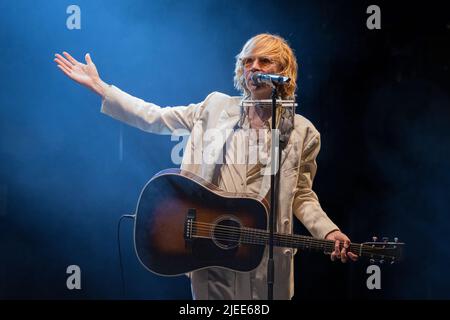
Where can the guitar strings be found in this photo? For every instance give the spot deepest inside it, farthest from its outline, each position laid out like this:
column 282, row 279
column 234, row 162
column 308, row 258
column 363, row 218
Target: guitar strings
column 363, row 252
column 366, row 250
column 254, row 232
column 250, row 237
column 255, row 236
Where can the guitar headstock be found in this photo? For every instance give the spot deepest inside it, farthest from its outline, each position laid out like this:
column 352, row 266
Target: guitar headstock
column 383, row 251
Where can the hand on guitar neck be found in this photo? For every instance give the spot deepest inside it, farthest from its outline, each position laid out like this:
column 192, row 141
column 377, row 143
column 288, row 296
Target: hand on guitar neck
column 338, row 237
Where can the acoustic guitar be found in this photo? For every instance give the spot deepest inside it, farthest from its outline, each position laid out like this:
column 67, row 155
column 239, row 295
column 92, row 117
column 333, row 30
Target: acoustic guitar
column 184, row 223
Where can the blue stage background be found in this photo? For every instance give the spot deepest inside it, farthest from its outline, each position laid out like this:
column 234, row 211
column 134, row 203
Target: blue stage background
column 380, row 99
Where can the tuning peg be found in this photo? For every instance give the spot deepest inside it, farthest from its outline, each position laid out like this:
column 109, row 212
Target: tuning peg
column 374, row 239
column 385, row 239
column 381, row 261
column 395, row 239
column 372, row 261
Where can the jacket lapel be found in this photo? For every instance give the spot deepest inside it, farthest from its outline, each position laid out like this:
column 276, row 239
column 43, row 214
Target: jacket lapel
column 225, row 124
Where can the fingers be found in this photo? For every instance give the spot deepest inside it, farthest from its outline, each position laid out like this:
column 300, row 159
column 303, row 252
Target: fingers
column 336, row 249
column 353, row 256
column 344, row 251
column 63, row 61
column 333, row 256
column 62, row 66
column 88, row 58
column 70, row 58
column 63, row 69
column 342, row 254
column 336, row 253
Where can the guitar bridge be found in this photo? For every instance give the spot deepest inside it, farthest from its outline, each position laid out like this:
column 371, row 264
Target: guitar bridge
column 189, row 227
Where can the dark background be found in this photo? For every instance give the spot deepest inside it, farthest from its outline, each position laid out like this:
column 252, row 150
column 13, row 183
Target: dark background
column 380, row 99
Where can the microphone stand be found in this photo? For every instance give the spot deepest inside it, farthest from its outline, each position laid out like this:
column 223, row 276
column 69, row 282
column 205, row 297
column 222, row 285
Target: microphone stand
column 274, row 183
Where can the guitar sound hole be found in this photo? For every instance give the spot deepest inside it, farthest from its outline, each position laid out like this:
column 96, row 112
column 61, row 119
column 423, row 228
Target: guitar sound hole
column 227, row 233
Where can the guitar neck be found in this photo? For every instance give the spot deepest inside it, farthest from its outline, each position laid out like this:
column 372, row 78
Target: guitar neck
column 384, row 251
column 253, row 236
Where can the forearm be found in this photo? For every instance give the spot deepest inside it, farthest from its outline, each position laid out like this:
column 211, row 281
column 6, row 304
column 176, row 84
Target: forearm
column 144, row 115
column 306, row 203
column 315, row 219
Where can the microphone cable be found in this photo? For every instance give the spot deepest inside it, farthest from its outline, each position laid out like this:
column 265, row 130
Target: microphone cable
column 122, row 278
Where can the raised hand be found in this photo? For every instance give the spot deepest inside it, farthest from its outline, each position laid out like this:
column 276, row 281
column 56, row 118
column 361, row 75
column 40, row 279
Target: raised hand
column 85, row 74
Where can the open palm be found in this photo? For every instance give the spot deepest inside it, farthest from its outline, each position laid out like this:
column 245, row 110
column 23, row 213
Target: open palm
column 85, row 74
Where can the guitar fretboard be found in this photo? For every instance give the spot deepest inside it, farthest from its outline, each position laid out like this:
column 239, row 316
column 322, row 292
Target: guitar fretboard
column 241, row 235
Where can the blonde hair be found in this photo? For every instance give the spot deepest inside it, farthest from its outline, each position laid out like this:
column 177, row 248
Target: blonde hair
column 278, row 50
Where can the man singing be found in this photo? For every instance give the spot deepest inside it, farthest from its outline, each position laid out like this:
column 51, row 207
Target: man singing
column 264, row 53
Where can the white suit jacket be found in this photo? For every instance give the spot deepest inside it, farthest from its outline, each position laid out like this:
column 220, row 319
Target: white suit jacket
column 222, row 112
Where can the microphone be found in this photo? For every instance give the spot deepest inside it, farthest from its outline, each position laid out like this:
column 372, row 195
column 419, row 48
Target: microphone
column 260, row 78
